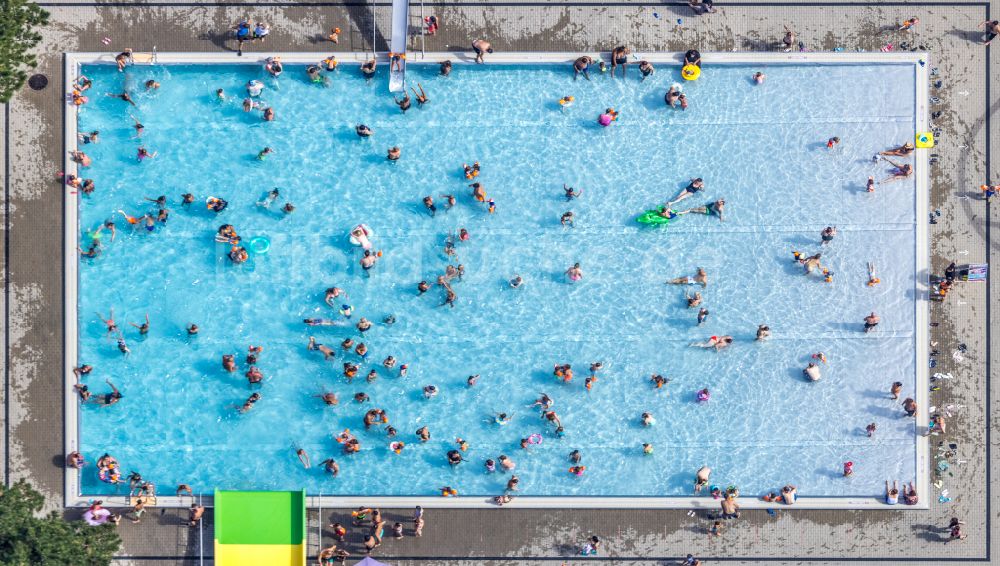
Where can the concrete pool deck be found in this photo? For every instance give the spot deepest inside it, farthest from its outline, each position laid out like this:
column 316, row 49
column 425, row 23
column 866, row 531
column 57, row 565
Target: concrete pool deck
column 33, row 393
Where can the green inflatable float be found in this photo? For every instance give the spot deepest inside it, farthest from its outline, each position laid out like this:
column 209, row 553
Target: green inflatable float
column 654, row 217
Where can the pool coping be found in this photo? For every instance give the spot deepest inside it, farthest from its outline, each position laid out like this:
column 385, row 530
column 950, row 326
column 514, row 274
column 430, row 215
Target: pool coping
column 920, row 62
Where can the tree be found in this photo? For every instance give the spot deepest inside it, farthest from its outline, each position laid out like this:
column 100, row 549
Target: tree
column 27, row 539
column 18, row 20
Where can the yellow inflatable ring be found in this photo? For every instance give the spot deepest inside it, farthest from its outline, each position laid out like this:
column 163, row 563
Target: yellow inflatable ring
column 691, row 72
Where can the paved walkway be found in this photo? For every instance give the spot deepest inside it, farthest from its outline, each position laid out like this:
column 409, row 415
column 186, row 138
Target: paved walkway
column 32, row 148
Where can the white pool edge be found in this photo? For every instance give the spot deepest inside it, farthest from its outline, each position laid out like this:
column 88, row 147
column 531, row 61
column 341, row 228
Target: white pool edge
column 72, row 485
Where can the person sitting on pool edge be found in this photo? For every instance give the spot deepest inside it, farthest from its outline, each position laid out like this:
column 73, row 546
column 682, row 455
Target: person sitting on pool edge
column 692, row 57
column 619, row 58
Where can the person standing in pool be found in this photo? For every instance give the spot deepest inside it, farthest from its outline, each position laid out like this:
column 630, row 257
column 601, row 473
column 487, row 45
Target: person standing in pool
column 826, row 236
column 763, row 332
column 619, row 58
column 871, row 321
column 701, row 479
column 445, row 68
column 646, row 69
column 481, row 47
column 581, row 65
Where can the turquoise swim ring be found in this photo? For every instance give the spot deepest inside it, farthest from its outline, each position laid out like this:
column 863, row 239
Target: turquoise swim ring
column 260, row 245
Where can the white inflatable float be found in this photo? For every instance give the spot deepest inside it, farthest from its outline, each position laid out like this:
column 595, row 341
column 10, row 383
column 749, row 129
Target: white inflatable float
column 360, row 236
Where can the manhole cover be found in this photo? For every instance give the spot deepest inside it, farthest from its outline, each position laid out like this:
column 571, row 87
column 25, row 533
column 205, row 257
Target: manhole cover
column 38, row 82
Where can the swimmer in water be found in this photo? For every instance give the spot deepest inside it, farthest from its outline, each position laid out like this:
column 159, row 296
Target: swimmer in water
column 393, row 153
column 108, row 399
column 713, row 208
column 811, row 263
column 696, row 185
column 581, row 66
column 429, row 205
column 478, row 192
column 870, row 186
column 124, row 95
column 363, row 131
column 759, row 78
column 472, row 380
column 763, row 332
column 693, row 300
column 900, row 151
column 329, row 398
column 701, row 478
column 545, row 402
column 811, row 372
column 314, row 346
column 570, row 193
column 420, row 96
column 109, row 322
column 81, row 158
column 144, row 327
column 901, row 171
column 449, row 201
column 445, row 69
column 249, row 403
column 702, row 315
column 826, row 236
column 516, row 281
column 717, row 342
column 567, row 219
column 699, row 278
column 303, row 457
column 575, row 273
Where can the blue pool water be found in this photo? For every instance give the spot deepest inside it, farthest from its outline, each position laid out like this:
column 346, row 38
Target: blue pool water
column 761, row 148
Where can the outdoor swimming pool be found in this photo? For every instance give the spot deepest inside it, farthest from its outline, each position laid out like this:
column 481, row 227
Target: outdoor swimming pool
column 761, row 148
